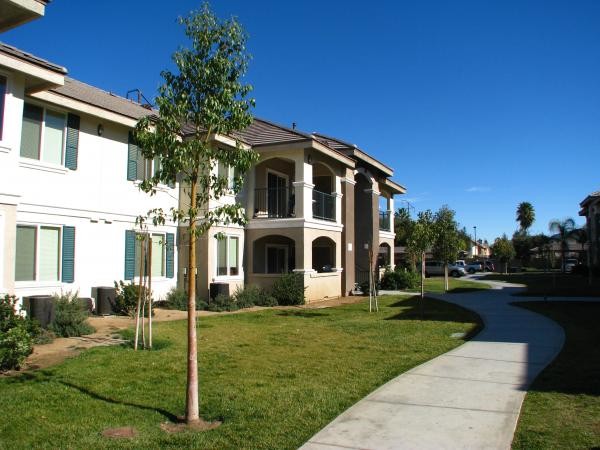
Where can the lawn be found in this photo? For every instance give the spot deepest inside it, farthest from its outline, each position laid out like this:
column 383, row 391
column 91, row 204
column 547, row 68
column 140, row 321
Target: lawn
column 274, row 377
column 456, row 285
column 562, row 407
column 551, row 284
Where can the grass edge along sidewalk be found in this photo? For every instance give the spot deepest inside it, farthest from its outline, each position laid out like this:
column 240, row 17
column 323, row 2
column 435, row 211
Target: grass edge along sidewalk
column 274, row 377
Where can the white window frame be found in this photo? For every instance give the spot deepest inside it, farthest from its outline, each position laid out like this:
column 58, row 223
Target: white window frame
column 163, row 238
column 2, row 255
column 40, row 160
column 285, row 259
column 226, row 238
column 37, row 281
column 230, row 176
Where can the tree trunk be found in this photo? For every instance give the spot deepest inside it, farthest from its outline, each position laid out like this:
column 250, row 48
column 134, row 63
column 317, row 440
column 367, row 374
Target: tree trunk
column 192, row 413
column 446, row 277
column 422, row 283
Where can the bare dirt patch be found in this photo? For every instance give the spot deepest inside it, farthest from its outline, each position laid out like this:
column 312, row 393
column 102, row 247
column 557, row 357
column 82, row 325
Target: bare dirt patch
column 199, row 425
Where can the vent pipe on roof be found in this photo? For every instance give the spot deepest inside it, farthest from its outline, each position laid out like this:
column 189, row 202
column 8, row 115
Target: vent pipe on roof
column 293, row 125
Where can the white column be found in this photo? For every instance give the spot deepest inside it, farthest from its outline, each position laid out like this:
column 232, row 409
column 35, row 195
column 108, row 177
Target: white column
column 303, row 187
column 391, row 210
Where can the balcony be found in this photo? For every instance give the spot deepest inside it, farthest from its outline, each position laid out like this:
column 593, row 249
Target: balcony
column 323, row 206
column 384, row 221
column 274, row 203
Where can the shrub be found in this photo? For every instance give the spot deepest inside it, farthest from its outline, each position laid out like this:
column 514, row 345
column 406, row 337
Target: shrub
column 70, row 317
column 177, row 299
column 126, row 298
column 16, row 334
column 15, row 345
column 399, row 280
column 222, row 303
column 249, row 296
column 289, row 289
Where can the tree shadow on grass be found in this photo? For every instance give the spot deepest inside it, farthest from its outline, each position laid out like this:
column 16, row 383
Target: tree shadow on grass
column 48, row 376
column 576, row 369
column 433, row 310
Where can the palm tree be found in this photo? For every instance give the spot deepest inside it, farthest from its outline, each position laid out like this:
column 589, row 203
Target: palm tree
column 564, row 230
column 525, row 216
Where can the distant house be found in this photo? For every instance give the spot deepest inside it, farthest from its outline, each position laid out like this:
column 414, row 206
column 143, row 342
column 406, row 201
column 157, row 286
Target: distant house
column 479, row 249
column 590, row 209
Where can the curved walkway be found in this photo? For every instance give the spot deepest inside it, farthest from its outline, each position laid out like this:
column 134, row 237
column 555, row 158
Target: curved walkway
column 468, row 398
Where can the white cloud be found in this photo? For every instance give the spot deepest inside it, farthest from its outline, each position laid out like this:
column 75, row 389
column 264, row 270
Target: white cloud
column 478, row 189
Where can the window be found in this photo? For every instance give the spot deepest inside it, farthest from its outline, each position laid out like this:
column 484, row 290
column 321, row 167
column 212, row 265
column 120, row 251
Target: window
column 2, row 100
column 226, row 171
column 43, row 134
column 37, row 253
column 158, row 254
column 228, row 256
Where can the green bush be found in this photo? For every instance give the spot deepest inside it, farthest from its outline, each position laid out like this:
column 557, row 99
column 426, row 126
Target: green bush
column 15, row 345
column 399, row 279
column 249, row 296
column 126, row 298
column 222, row 303
column 70, row 317
column 178, row 299
column 289, row 289
column 16, row 334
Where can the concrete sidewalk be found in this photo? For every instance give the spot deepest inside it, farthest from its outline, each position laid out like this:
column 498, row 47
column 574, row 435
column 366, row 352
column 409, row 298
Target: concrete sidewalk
column 468, row 398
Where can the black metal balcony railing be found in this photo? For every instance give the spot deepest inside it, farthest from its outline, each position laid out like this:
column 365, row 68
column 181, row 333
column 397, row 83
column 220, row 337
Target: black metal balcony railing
column 384, row 220
column 273, row 202
column 323, row 206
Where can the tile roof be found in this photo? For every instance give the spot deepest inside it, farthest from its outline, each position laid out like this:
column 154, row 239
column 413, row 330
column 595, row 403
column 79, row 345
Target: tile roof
column 30, row 58
column 264, row 132
column 106, row 100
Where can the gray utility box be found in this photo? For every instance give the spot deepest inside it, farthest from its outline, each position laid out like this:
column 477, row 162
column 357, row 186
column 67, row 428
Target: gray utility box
column 105, row 300
column 39, row 307
column 218, row 288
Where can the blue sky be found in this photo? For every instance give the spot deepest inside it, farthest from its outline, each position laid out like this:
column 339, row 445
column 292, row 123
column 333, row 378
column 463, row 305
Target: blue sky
column 476, row 104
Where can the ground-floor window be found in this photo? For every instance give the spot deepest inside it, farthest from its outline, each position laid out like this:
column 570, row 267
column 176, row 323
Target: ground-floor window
column 157, row 255
column 38, row 252
column 228, row 256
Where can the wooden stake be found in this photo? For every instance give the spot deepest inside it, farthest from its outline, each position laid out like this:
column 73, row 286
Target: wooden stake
column 149, row 292
column 137, row 309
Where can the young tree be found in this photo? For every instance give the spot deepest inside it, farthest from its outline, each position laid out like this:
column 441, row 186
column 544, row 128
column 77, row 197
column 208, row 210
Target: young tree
column 525, row 216
column 420, row 240
column 503, row 250
column 205, row 97
column 447, row 241
column 403, row 228
column 564, row 230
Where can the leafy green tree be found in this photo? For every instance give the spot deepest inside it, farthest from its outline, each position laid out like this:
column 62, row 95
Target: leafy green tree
column 525, row 216
column 203, row 98
column 464, row 240
column 503, row 250
column 563, row 229
column 420, row 240
column 446, row 242
column 403, row 228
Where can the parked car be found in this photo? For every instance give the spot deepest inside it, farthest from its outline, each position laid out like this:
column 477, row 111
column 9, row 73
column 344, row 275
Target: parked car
column 570, row 264
column 433, row 268
column 471, row 268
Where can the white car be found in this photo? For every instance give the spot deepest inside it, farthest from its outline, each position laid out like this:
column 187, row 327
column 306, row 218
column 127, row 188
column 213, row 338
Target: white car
column 570, row 263
column 437, row 268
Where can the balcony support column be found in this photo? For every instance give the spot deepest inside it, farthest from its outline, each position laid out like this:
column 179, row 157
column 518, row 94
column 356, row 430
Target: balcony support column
column 303, row 187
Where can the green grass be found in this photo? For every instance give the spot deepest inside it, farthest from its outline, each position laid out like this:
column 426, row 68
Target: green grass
column 551, row 284
column 562, row 407
column 456, row 285
column 273, row 377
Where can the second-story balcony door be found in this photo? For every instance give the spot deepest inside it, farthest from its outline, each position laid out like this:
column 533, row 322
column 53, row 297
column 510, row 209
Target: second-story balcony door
column 276, row 195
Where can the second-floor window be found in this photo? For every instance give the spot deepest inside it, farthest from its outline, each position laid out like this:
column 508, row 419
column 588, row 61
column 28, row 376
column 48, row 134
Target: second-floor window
column 43, row 134
column 226, row 171
column 2, row 100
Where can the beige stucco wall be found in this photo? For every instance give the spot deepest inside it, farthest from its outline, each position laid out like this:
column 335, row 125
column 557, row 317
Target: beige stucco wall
column 318, row 285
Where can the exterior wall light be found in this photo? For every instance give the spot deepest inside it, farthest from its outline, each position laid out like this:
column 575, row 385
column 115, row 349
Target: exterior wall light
column 100, row 130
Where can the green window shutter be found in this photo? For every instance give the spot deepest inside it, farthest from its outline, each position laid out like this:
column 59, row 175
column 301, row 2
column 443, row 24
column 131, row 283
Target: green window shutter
column 170, row 263
column 71, row 150
column 68, row 254
column 132, row 156
column 129, row 254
